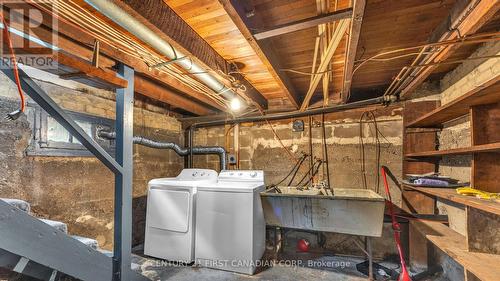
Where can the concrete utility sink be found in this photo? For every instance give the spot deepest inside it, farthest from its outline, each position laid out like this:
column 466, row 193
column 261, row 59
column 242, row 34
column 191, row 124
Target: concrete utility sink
column 350, row 211
column 294, row 190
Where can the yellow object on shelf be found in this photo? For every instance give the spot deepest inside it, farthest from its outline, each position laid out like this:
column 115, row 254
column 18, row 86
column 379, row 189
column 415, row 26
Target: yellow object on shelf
column 469, row 191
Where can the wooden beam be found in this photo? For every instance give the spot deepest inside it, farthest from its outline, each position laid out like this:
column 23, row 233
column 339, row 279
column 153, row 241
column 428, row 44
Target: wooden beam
column 465, row 18
column 332, row 46
column 170, row 26
column 80, row 44
column 264, row 49
column 355, row 31
column 74, row 68
column 152, row 89
column 67, row 66
column 86, row 71
column 303, row 24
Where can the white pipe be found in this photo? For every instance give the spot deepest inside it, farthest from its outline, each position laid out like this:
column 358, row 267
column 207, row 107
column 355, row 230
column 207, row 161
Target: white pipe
column 141, row 31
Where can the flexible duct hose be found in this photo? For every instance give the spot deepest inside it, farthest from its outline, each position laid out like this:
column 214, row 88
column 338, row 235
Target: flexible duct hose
column 181, row 151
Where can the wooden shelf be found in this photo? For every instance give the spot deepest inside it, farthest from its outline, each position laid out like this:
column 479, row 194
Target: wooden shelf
column 484, row 266
column 459, row 106
column 451, row 195
column 491, row 147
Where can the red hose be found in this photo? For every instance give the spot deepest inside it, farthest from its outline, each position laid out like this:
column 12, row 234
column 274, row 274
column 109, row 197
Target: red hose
column 404, row 276
column 6, row 36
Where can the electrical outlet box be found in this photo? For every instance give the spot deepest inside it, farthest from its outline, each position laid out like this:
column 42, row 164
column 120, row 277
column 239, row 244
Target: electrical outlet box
column 231, row 159
column 298, row 126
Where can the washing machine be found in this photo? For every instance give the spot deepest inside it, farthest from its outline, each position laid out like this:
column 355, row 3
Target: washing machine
column 170, row 213
column 230, row 225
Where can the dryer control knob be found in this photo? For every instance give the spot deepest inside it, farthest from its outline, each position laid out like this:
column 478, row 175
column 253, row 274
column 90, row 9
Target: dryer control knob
column 253, row 174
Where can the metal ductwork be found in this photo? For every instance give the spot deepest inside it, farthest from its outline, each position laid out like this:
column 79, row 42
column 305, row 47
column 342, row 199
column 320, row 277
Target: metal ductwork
column 141, row 31
column 181, row 151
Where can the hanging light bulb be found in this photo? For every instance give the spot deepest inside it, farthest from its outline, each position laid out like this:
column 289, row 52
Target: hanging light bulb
column 235, row 104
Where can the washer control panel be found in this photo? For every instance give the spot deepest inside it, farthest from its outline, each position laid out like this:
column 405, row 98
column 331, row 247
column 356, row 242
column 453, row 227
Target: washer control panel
column 242, row 175
column 197, row 174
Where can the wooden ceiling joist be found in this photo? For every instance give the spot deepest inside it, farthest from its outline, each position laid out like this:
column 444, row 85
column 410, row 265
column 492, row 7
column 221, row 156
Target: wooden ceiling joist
column 466, row 17
column 153, row 89
column 265, row 51
column 159, row 17
column 80, row 44
column 77, row 69
column 303, row 24
column 352, row 46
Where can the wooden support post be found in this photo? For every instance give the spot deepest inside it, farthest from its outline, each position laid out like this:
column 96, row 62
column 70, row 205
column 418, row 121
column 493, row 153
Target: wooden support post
column 355, row 31
column 332, row 46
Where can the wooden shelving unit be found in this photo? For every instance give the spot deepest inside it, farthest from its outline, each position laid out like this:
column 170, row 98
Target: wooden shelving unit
column 450, row 194
column 458, row 107
column 490, row 147
column 477, row 249
column 482, row 265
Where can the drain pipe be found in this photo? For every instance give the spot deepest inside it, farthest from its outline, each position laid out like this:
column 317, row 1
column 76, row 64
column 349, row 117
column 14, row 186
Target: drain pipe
column 181, row 151
column 145, row 34
column 282, row 115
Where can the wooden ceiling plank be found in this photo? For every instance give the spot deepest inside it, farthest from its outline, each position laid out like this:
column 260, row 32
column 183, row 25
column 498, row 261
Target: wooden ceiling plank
column 465, row 19
column 169, row 25
column 79, row 43
column 263, row 49
column 303, row 24
column 150, row 88
column 332, row 46
column 83, row 71
column 355, row 31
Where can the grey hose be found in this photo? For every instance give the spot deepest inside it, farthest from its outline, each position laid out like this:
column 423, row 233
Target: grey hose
column 181, row 151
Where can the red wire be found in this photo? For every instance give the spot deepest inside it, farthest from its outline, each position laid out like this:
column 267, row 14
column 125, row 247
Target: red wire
column 6, row 35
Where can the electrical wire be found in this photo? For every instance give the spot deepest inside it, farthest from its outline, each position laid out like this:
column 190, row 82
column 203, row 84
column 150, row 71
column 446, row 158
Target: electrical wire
column 369, row 114
column 281, row 142
column 326, row 151
column 298, row 168
column 294, row 170
column 73, row 14
column 15, row 114
column 480, row 38
column 315, row 171
column 311, row 172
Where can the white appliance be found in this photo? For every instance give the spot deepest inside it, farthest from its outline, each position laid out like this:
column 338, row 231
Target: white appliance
column 170, row 215
column 230, row 225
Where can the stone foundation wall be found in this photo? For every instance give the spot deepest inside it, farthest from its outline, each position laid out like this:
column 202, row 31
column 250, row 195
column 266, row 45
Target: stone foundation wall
column 80, row 190
column 259, row 148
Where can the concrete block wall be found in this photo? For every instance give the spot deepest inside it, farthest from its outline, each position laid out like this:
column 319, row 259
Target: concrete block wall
column 80, row 190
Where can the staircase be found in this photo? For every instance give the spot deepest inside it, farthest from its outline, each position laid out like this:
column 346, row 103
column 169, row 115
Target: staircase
column 43, row 249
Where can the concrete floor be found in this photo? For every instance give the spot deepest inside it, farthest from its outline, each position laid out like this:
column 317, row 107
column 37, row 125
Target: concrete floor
column 325, row 268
